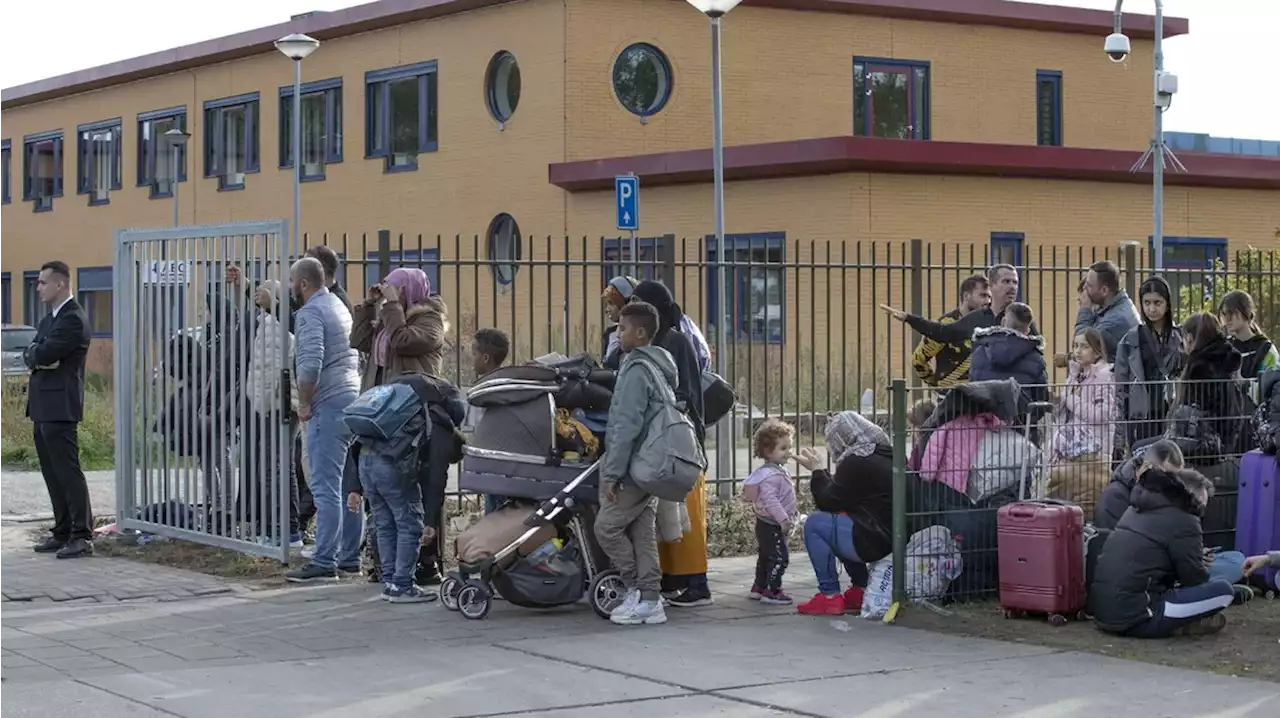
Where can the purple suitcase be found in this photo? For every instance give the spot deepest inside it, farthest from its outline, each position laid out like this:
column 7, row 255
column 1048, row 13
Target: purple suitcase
column 1258, row 513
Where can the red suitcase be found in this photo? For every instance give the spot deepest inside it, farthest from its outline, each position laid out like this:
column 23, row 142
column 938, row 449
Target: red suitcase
column 1040, row 548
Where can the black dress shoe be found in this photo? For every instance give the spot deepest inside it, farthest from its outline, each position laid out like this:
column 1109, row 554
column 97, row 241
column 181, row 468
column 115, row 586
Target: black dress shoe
column 76, row 548
column 49, row 545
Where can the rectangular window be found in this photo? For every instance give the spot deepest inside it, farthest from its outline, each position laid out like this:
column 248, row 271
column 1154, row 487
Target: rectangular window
column 98, row 153
column 156, row 151
column 651, row 251
column 33, row 310
column 321, row 127
column 757, row 285
column 231, row 139
column 1006, row 248
column 428, row 260
column 6, row 157
column 93, row 287
column 7, row 292
column 1049, row 108
column 890, row 98
column 400, row 116
column 1189, row 262
column 42, row 169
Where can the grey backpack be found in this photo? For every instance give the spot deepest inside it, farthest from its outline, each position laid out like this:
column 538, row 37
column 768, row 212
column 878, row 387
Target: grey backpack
column 670, row 459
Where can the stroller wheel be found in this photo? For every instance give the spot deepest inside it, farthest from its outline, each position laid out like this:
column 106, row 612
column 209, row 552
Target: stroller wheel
column 607, row 592
column 474, row 601
column 449, row 592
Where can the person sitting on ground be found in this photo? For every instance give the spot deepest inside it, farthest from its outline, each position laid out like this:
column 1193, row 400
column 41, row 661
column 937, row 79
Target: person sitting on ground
column 1084, row 426
column 1114, row 501
column 772, row 495
column 1010, row 350
column 626, row 524
column 1151, row 579
column 489, row 349
column 1271, row 559
column 1239, row 318
column 854, row 516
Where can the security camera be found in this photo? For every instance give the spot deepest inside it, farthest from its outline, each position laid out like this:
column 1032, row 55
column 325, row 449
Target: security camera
column 1116, row 46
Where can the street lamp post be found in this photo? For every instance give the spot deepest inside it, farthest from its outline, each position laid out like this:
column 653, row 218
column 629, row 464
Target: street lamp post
column 725, row 434
column 176, row 139
column 1165, row 85
column 297, row 47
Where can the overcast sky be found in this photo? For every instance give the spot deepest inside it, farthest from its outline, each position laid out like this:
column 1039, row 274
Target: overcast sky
column 1224, row 86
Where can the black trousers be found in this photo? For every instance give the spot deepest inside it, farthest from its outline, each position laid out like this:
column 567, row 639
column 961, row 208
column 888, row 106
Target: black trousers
column 260, row 464
column 58, row 447
column 772, row 557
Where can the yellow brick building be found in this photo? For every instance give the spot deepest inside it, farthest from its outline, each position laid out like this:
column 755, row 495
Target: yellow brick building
column 1002, row 131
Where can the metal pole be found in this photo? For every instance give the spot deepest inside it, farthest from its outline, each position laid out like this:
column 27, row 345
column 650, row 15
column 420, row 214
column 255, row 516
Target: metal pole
column 297, row 155
column 725, row 434
column 1157, row 140
column 173, row 180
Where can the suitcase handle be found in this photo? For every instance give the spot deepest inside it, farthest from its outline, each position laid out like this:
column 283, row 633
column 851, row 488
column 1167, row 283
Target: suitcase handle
column 1027, row 509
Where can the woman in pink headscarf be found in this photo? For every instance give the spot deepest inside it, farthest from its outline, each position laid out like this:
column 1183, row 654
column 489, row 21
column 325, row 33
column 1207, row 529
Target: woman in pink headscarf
column 401, row 327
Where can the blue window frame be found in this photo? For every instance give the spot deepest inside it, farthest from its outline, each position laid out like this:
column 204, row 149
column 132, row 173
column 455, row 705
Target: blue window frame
column 1192, row 252
column 42, row 169
column 99, row 158
column 93, row 291
column 321, row 127
column 1049, row 108
column 1006, row 248
column 231, row 139
column 758, row 285
column 33, row 310
column 155, row 153
column 890, row 98
column 616, row 254
column 428, row 260
column 6, row 312
column 6, row 159
column 401, row 120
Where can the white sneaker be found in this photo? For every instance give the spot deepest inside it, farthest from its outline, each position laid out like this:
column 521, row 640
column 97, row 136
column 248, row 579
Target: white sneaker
column 628, row 603
column 309, row 552
column 643, row 613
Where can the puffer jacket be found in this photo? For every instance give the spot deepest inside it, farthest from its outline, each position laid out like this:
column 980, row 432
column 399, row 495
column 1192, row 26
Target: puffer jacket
column 637, row 398
column 1000, row 353
column 1138, row 401
column 1212, row 388
column 1266, row 420
column 1085, row 418
column 269, row 357
column 1157, row 543
column 1112, row 321
column 1114, row 500
column 416, row 343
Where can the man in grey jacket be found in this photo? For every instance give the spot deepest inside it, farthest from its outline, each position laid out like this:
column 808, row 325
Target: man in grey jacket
column 328, row 381
column 625, row 525
column 1106, row 307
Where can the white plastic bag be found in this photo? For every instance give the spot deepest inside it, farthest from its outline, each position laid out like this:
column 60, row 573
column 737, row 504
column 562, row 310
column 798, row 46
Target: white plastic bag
column 933, row 562
column 878, row 597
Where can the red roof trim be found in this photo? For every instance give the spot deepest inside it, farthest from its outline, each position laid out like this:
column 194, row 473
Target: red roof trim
column 387, row 13
column 833, row 155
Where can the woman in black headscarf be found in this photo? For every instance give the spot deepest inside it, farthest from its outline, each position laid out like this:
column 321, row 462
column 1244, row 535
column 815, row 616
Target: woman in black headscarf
column 684, row 563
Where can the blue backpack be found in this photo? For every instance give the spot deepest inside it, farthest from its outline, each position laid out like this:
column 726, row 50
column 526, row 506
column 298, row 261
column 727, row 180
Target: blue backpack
column 383, row 411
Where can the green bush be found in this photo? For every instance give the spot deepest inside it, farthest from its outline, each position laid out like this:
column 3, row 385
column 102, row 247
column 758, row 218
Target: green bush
column 97, row 431
column 1256, row 272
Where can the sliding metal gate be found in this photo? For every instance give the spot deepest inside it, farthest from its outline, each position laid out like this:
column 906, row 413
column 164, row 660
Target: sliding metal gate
column 204, row 437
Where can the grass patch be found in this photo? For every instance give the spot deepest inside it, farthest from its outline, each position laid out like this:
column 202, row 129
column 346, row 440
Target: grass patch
column 219, row 562
column 97, row 431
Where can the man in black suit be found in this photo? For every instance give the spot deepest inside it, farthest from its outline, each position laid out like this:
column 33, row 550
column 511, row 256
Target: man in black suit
column 55, row 404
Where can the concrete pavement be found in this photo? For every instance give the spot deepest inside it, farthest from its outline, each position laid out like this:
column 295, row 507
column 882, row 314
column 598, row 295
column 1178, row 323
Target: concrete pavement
column 338, row 651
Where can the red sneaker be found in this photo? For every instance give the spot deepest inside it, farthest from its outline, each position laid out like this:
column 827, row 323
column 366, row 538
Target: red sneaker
column 853, row 600
column 756, row 593
column 821, row 605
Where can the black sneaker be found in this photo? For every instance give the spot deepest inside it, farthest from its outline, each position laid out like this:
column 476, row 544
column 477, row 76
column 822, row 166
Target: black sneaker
column 1204, row 627
column 350, row 569
column 312, row 573
column 692, row 597
column 76, row 548
column 49, row 545
column 1241, row 595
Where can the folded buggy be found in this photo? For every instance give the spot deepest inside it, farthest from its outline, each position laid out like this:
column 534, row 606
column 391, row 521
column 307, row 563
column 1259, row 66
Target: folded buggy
column 539, row 550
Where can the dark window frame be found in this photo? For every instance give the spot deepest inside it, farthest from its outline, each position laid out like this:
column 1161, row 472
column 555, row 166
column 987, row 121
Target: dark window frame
column 1215, row 251
column 919, row 111
column 377, row 112
column 616, row 257
column 33, row 310
column 491, row 88
column 741, row 278
column 664, row 63
column 6, row 171
column 38, row 204
column 85, row 169
column 491, row 236
column 331, row 90
column 1017, row 241
column 89, row 280
column 215, row 112
column 1049, row 130
column 6, row 298
column 426, row 259
column 151, row 152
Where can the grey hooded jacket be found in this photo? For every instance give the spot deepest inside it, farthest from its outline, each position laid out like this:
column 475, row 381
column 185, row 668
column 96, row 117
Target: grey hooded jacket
column 1112, row 321
column 636, row 399
column 1128, row 368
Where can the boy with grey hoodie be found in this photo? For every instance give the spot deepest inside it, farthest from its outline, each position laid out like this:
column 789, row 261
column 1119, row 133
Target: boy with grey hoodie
column 625, row 524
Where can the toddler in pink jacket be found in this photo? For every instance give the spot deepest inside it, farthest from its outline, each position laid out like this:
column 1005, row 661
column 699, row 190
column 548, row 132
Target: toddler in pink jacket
column 773, row 497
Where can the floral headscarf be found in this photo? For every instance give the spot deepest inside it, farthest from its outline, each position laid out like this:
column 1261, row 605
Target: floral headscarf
column 851, row 434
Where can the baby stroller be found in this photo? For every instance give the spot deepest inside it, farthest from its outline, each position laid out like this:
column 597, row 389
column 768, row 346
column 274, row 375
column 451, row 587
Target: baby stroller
column 516, row 452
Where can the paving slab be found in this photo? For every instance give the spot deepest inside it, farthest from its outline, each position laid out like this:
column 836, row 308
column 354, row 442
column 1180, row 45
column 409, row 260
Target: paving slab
column 1060, row 685
column 68, row 699
column 696, row 706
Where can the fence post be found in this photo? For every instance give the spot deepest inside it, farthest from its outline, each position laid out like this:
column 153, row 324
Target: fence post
column 898, row 424
column 917, row 284
column 1129, row 260
column 384, row 253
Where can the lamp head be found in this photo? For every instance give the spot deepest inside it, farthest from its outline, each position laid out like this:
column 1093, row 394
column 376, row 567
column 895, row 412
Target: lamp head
column 177, row 137
column 714, row 8
column 297, row 46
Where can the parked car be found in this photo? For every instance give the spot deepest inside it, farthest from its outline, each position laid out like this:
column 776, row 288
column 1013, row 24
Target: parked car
column 17, row 337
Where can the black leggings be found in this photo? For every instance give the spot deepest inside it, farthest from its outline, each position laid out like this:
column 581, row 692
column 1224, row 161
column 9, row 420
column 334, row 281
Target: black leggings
column 773, row 555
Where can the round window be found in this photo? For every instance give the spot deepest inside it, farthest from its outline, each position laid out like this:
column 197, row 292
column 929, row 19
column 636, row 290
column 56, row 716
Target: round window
column 502, row 86
column 504, row 248
column 642, row 79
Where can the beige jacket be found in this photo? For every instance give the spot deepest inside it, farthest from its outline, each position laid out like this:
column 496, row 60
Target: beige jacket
column 417, row 338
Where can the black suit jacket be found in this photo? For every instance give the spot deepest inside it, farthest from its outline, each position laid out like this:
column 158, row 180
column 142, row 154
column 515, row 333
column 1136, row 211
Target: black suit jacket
column 58, row 394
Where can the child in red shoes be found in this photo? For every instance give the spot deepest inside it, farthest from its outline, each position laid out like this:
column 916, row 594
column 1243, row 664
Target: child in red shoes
column 773, row 497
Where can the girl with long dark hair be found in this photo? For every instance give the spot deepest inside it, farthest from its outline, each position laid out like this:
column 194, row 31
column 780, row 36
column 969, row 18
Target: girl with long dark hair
column 1149, row 357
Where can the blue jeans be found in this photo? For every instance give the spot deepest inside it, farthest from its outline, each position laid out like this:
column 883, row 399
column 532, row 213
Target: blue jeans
column 493, row 502
column 829, row 537
column 1227, row 566
column 396, row 504
column 338, row 531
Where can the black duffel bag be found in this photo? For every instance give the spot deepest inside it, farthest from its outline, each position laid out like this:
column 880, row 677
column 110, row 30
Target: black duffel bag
column 718, row 398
